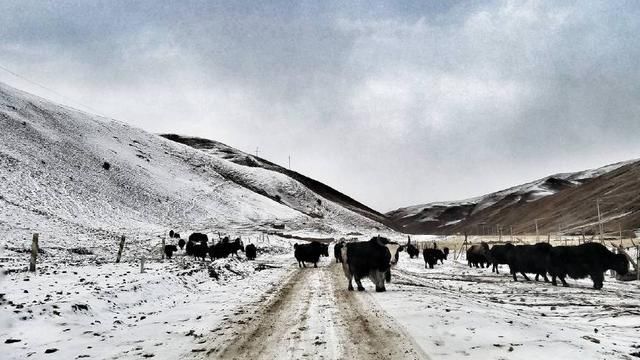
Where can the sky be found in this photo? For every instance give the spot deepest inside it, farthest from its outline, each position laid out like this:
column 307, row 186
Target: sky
column 394, row 103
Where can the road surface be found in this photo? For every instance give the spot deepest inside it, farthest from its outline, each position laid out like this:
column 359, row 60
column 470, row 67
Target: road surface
column 313, row 316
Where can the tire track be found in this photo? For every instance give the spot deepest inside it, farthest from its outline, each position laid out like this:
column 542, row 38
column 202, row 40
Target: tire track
column 313, row 316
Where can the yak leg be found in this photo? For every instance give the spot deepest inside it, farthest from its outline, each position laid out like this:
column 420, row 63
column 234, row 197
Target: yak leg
column 380, row 278
column 525, row 276
column 350, row 287
column 348, row 275
column 598, row 278
column 553, row 280
column 544, row 275
column 359, row 283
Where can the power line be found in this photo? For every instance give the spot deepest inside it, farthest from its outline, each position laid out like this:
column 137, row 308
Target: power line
column 68, row 99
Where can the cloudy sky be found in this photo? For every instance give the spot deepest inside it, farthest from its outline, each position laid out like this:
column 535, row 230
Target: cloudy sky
column 394, row 103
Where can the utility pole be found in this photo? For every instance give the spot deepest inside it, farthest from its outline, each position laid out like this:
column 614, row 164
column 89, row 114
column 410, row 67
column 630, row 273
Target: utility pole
column 620, row 233
column 537, row 233
column 499, row 231
column 257, row 151
column 289, row 162
column 511, row 233
column 599, row 220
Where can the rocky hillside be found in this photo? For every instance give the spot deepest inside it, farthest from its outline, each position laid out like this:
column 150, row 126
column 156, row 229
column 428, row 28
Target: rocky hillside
column 564, row 201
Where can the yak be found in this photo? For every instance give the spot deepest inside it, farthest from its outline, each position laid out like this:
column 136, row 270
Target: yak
column 169, row 250
column 413, row 251
column 309, row 253
column 445, row 251
column 589, row 259
column 529, row 259
column 478, row 255
column 499, row 255
column 431, row 257
column 372, row 259
column 225, row 247
column 250, row 250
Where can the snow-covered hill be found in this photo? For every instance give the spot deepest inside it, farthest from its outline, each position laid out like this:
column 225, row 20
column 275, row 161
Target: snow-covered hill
column 70, row 175
column 438, row 216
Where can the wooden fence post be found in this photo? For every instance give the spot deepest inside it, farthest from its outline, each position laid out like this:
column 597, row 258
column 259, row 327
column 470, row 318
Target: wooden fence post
column 34, row 253
column 120, row 249
column 142, row 265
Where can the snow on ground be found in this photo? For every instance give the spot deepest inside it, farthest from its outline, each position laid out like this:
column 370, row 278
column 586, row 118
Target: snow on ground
column 455, row 312
column 112, row 311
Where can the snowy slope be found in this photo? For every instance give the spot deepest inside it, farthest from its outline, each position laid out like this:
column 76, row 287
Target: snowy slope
column 442, row 214
column 286, row 180
column 52, row 181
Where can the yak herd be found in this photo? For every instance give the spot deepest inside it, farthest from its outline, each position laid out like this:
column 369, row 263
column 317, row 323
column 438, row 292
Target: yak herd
column 198, row 246
column 374, row 258
column 578, row 262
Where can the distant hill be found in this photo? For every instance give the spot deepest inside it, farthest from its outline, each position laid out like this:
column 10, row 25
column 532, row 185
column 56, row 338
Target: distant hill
column 564, row 201
column 321, row 190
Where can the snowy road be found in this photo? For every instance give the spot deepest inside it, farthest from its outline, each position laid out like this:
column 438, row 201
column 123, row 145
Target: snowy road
column 313, row 316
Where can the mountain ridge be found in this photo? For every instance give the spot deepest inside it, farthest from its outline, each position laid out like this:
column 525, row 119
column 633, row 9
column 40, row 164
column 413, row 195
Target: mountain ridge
column 475, row 214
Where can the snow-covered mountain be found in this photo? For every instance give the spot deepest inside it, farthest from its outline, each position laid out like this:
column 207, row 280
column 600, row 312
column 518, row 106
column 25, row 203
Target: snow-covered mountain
column 438, row 217
column 67, row 175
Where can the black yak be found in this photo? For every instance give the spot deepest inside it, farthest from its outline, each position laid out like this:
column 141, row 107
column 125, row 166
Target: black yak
column 198, row 238
column 431, row 257
column 197, row 245
column 589, row 259
column 169, row 250
column 308, row 253
column 370, row 259
column 250, row 250
column 181, row 243
column 413, row 251
column 325, row 250
column 478, row 255
column 225, row 247
column 532, row 259
column 499, row 255
column 445, row 251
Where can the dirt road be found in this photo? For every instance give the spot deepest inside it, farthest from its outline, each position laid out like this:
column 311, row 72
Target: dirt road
column 313, row 316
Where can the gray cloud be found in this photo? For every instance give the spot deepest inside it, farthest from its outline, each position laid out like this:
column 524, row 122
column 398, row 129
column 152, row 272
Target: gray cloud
column 393, row 103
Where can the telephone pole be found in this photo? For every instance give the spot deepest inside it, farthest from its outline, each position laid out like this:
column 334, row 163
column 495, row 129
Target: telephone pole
column 537, row 233
column 600, row 221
